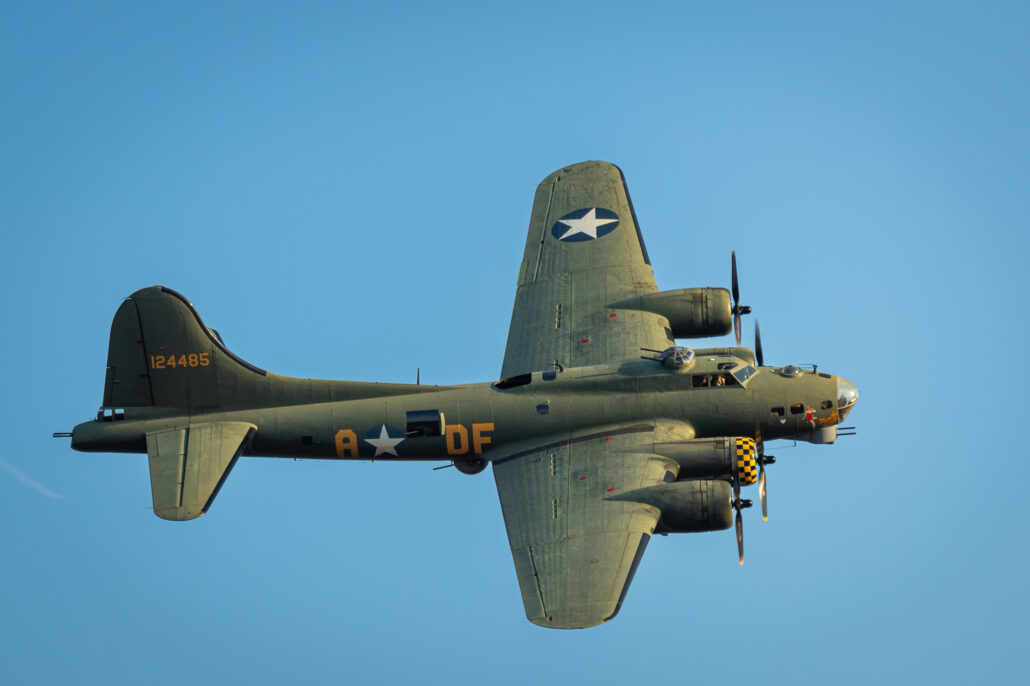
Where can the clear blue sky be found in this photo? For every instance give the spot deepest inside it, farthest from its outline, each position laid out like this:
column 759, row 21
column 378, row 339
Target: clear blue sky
column 343, row 191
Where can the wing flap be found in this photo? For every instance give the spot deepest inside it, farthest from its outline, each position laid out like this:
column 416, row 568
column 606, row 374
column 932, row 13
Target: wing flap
column 188, row 465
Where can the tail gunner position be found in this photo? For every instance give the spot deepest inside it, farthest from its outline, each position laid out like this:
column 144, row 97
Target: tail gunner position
column 602, row 431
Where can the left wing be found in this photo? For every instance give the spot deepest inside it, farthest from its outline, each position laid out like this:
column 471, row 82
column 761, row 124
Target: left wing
column 576, row 550
column 584, row 251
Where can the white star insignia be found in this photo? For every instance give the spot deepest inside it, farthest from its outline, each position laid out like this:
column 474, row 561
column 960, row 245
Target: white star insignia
column 384, row 444
column 588, row 224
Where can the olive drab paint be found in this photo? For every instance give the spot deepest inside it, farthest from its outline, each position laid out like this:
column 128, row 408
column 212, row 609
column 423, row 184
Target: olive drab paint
column 601, row 432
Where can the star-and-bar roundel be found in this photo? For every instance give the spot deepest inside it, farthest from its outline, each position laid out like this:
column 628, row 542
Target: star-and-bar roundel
column 585, row 225
column 386, row 439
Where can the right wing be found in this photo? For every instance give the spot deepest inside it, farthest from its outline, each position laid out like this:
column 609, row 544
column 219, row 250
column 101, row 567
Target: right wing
column 584, row 251
column 576, row 549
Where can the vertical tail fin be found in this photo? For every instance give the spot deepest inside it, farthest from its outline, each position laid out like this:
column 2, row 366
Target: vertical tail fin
column 162, row 355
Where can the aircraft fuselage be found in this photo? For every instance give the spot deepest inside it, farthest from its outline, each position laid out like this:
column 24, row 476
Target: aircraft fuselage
column 480, row 418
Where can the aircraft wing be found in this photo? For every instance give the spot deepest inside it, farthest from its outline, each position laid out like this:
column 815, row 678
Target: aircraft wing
column 584, row 250
column 576, row 550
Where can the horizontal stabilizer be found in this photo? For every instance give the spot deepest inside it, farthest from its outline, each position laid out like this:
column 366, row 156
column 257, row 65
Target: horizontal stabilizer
column 188, row 465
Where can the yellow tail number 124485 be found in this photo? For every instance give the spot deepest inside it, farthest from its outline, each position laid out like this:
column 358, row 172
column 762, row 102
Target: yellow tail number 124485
column 183, row 360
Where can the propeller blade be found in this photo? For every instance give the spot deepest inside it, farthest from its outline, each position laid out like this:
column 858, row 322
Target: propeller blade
column 738, row 309
column 738, row 503
column 736, row 287
column 761, row 492
column 740, row 536
column 759, row 357
column 763, row 459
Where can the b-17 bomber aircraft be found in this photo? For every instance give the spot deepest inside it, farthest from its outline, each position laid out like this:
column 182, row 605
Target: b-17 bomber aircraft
column 601, row 432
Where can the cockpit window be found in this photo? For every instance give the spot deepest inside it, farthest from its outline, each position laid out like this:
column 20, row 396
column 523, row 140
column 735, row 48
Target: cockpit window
column 713, row 381
column 744, row 373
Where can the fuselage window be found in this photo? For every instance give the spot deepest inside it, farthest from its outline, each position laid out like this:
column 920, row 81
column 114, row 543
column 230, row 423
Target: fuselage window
column 797, row 408
column 549, row 375
column 826, row 404
column 543, row 408
column 778, row 412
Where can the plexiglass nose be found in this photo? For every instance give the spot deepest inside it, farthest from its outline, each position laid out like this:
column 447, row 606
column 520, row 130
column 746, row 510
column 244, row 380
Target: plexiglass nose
column 847, row 396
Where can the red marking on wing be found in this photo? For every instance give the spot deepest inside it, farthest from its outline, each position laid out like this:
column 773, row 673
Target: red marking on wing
column 582, row 478
column 585, row 340
column 611, row 316
column 610, row 490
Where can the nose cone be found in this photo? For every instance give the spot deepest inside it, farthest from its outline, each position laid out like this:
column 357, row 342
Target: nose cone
column 847, row 396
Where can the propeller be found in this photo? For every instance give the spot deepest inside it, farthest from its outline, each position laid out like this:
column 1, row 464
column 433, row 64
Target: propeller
column 763, row 460
column 761, row 493
column 738, row 505
column 738, row 522
column 738, row 309
column 758, row 346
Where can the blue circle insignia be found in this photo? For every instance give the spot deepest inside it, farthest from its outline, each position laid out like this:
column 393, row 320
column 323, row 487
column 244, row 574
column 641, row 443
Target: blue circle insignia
column 585, row 225
column 386, row 439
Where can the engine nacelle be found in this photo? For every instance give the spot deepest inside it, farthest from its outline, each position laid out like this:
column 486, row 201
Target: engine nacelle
column 688, row 506
column 714, row 457
column 474, row 466
column 692, row 312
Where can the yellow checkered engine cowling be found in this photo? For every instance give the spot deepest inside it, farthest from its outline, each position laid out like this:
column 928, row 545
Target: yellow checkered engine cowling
column 720, row 457
column 747, row 464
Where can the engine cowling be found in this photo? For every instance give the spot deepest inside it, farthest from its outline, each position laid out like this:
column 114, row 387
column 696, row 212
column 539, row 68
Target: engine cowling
column 688, row 506
column 714, row 457
column 471, row 466
column 692, row 312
